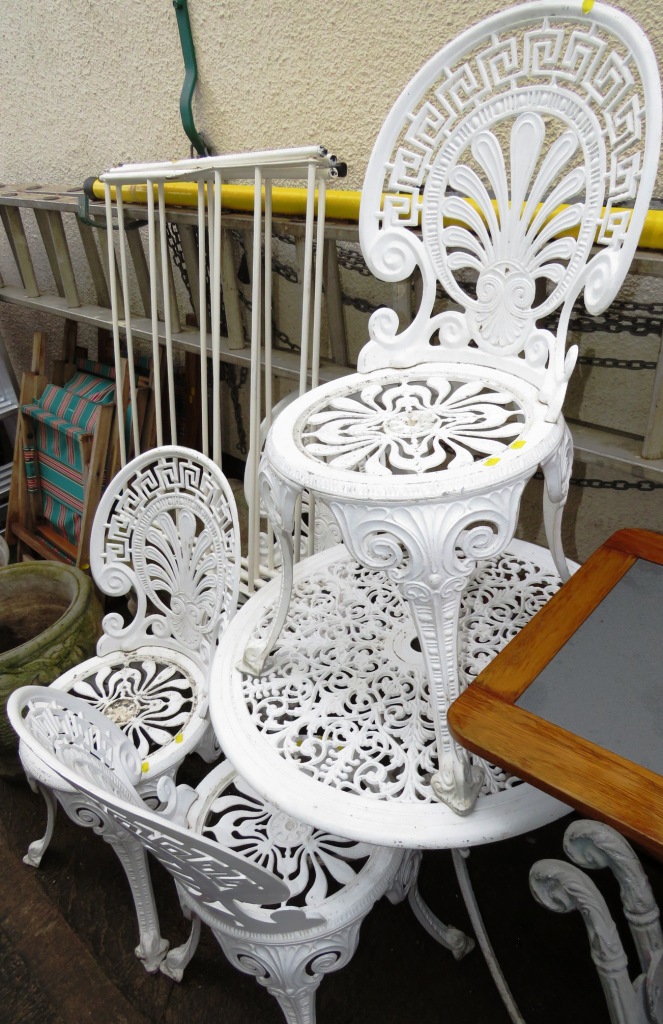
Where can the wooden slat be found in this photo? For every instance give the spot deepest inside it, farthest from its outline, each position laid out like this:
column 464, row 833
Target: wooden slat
column 96, row 464
column 96, row 267
column 63, row 257
column 44, row 225
column 170, row 284
column 338, row 342
column 103, row 253
column 32, row 386
column 141, row 270
column 32, row 540
column 230, row 287
column 13, row 223
column 190, row 252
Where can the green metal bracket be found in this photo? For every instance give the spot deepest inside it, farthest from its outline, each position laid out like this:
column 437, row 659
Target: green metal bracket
column 84, row 214
column 197, row 139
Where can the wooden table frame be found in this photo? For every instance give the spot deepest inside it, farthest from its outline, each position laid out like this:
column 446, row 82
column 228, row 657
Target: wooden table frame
column 593, row 779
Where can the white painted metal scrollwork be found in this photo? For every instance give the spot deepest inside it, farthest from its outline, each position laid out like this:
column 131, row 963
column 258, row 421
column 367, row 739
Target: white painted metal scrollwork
column 519, row 145
column 284, row 900
column 167, row 529
column 591, row 844
column 315, row 863
column 429, row 551
column 346, row 702
column 151, row 700
column 516, row 145
column 413, row 426
column 563, row 887
column 293, row 973
column 165, row 534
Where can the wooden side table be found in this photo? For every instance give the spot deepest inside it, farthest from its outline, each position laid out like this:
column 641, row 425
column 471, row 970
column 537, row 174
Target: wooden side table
column 574, row 703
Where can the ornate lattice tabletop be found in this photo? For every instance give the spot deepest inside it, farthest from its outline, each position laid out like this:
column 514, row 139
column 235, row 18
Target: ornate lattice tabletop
column 338, row 729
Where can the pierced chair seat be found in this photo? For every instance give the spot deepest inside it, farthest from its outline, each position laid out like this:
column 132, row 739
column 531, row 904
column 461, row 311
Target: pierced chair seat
column 155, row 695
column 284, row 900
column 437, row 429
column 165, row 537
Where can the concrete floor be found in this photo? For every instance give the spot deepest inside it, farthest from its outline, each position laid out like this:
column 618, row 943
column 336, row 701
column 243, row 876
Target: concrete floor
column 67, row 933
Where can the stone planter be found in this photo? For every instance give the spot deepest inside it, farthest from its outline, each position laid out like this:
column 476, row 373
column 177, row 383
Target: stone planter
column 50, row 620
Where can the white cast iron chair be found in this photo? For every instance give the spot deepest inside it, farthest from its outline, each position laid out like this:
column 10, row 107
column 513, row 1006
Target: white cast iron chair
column 165, row 534
column 564, row 887
column 516, row 148
column 285, row 901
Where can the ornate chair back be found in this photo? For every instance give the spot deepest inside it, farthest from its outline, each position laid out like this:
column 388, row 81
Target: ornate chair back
column 518, row 146
column 101, row 766
column 166, row 529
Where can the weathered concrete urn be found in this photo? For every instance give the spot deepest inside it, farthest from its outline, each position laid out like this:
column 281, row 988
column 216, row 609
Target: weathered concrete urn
column 50, row 619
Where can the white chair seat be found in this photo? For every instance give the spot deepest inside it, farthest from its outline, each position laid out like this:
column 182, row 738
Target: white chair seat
column 157, row 696
column 445, row 427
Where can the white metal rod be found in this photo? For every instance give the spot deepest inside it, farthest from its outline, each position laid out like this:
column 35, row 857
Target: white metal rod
column 317, row 290
column 165, row 286
column 306, row 283
column 254, row 432
column 116, row 325
column 156, row 362
column 270, row 158
column 317, row 317
column 269, row 400
column 215, row 291
column 131, row 369
column 306, row 322
column 202, row 305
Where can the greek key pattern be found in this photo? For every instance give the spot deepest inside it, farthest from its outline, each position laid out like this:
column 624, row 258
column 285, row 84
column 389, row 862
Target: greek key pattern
column 515, row 149
column 170, row 535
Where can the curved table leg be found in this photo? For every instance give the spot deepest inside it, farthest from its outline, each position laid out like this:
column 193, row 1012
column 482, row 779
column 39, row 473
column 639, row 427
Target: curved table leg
column 557, row 474
column 457, row 942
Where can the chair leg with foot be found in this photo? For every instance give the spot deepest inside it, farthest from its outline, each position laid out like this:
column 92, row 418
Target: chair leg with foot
column 38, row 847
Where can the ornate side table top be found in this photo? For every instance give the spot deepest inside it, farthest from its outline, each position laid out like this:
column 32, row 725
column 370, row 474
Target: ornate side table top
column 338, row 729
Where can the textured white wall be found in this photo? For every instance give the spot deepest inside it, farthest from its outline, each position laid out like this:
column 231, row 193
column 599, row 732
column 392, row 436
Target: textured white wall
column 86, row 84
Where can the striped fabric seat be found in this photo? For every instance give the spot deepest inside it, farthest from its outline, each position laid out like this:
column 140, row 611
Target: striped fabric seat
column 62, row 417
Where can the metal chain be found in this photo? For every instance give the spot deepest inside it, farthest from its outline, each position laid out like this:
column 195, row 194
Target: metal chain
column 618, row 364
column 611, row 485
column 636, row 318
column 234, row 382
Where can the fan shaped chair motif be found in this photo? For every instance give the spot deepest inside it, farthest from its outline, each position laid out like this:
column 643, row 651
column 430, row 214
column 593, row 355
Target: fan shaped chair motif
column 515, row 172
column 165, row 534
column 285, row 901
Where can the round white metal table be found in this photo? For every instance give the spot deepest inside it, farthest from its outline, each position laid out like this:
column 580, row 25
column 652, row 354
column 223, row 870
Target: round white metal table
column 338, row 729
